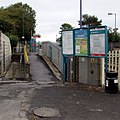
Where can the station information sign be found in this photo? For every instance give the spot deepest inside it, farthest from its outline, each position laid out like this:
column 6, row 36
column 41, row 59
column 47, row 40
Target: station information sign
column 81, row 42
column 98, row 42
column 67, row 42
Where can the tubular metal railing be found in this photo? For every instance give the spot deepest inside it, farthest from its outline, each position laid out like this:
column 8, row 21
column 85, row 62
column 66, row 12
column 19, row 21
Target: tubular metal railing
column 26, row 64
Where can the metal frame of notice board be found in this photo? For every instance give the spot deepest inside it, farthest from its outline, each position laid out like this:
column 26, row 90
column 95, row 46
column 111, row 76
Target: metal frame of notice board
column 67, row 48
column 98, row 42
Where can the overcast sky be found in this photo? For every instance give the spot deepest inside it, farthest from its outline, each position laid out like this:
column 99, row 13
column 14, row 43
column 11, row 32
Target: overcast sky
column 50, row 14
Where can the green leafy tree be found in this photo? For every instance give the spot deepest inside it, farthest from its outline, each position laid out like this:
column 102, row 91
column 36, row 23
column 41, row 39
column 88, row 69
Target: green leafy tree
column 65, row 26
column 89, row 20
column 113, row 36
column 18, row 20
column 13, row 40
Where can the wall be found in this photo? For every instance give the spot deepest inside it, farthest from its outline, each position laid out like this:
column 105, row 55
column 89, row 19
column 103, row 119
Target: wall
column 87, row 71
column 5, row 53
column 113, row 45
column 54, row 52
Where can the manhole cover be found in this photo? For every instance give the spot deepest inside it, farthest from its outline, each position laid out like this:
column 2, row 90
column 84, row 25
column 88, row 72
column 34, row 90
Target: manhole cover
column 46, row 112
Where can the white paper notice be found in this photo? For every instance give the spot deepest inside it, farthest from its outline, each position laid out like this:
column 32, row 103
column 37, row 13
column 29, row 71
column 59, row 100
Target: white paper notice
column 67, row 42
column 97, row 42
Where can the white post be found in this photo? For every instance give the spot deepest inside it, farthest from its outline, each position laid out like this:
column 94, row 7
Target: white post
column 102, row 71
column 116, row 62
column 112, row 60
column 119, row 69
column 109, row 59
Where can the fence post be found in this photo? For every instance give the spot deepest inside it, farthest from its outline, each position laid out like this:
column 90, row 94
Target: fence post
column 109, row 60
column 112, row 60
column 119, row 68
column 102, row 76
column 116, row 62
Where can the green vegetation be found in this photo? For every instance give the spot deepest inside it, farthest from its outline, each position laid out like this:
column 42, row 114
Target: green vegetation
column 89, row 20
column 65, row 26
column 16, row 21
column 113, row 36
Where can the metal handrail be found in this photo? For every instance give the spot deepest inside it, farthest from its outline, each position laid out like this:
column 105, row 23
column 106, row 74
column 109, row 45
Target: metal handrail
column 26, row 56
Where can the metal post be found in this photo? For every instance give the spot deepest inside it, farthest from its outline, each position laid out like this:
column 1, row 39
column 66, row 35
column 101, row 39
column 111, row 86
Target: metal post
column 115, row 22
column 80, row 13
column 23, row 31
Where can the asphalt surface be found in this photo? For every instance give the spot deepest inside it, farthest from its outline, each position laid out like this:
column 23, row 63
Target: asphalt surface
column 74, row 102
column 39, row 70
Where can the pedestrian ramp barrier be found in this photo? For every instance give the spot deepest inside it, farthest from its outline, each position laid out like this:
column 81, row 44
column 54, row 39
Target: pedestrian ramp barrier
column 26, row 64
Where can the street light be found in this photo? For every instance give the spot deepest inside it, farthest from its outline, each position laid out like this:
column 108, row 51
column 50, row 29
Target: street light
column 80, row 13
column 23, row 29
column 115, row 30
column 115, row 20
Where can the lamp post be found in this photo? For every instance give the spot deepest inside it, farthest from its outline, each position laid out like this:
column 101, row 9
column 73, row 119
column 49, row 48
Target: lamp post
column 23, row 37
column 80, row 13
column 115, row 20
column 115, row 29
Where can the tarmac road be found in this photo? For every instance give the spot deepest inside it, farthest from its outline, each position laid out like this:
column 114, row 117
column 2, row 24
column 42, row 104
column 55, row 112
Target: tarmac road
column 73, row 102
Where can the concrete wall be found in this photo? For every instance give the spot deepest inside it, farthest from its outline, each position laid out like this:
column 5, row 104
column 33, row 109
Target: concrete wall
column 54, row 52
column 45, row 48
column 5, row 53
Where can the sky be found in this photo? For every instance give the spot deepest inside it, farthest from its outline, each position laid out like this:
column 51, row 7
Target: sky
column 51, row 14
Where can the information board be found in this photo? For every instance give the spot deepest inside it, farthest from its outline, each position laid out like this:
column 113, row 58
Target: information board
column 81, row 42
column 67, row 42
column 98, row 42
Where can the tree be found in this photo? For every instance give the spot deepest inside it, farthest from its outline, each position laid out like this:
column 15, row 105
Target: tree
column 13, row 40
column 113, row 36
column 89, row 21
column 18, row 19
column 65, row 26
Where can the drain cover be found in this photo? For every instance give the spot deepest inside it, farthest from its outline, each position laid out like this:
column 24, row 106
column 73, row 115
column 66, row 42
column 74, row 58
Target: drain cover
column 46, row 112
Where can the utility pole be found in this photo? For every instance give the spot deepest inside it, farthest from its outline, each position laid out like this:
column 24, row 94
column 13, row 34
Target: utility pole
column 23, row 37
column 80, row 13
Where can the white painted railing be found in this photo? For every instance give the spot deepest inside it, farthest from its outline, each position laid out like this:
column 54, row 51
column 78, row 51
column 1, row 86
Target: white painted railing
column 114, row 62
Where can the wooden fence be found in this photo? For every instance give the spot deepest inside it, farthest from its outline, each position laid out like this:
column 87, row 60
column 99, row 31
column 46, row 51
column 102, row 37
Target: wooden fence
column 114, row 62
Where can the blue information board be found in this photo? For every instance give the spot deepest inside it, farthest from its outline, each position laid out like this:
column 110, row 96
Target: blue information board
column 81, row 42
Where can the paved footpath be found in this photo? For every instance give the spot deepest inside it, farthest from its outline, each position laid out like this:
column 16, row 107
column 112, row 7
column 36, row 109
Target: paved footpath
column 23, row 101
column 39, row 70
